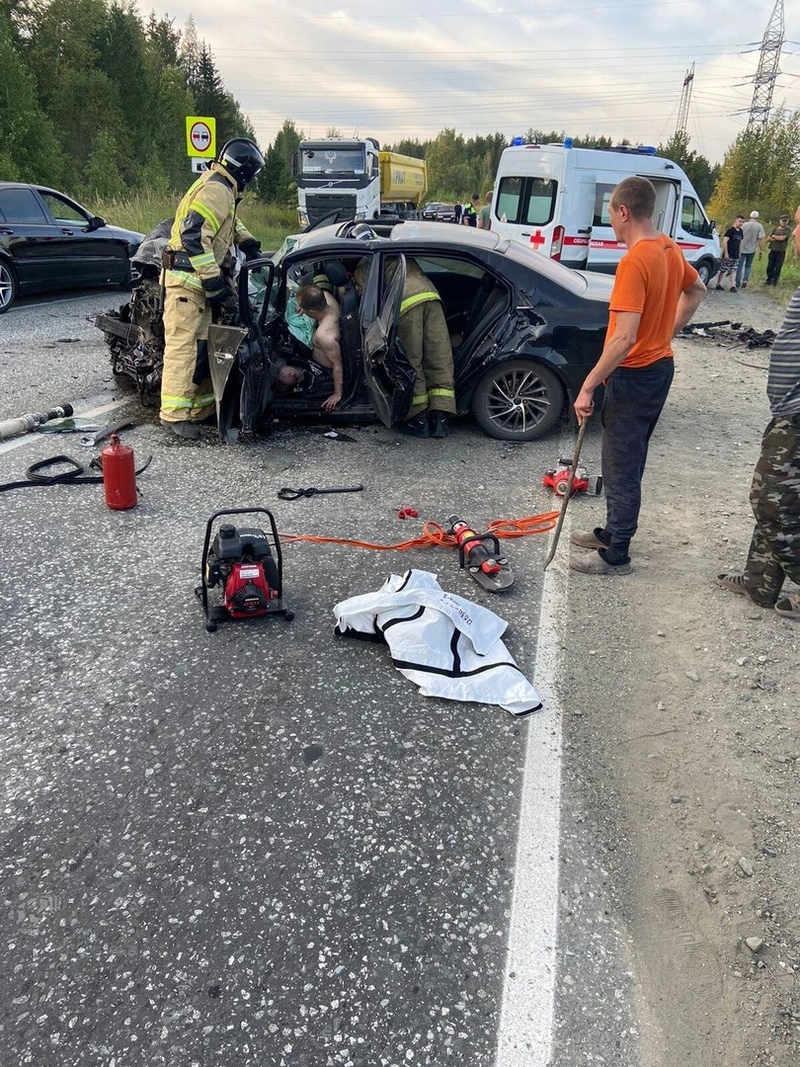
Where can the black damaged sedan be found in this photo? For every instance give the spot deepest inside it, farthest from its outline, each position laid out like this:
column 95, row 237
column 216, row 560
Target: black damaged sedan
column 525, row 330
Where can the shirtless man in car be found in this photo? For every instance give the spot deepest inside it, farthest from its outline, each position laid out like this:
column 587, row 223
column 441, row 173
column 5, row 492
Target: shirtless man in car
column 324, row 310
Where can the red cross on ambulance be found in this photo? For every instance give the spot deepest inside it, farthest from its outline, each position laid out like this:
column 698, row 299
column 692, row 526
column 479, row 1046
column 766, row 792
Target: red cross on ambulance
column 537, row 240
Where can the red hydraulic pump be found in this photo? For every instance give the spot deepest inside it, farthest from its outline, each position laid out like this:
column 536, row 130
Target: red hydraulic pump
column 557, row 479
column 247, row 565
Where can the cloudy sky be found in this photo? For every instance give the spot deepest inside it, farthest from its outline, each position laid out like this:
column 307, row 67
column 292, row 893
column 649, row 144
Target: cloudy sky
column 411, row 68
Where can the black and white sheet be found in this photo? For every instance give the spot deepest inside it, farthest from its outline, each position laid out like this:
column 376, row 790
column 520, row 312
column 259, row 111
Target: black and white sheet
column 448, row 646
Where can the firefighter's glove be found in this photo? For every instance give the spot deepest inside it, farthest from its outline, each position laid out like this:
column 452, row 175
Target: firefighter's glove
column 216, row 291
column 251, row 248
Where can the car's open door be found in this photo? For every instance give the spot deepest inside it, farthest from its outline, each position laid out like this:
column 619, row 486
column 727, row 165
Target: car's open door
column 387, row 373
column 241, row 357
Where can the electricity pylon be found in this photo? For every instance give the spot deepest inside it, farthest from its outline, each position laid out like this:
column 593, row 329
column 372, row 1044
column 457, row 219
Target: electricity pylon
column 686, row 96
column 768, row 69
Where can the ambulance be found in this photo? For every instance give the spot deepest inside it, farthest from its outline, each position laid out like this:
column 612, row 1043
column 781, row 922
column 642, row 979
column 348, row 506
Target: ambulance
column 554, row 199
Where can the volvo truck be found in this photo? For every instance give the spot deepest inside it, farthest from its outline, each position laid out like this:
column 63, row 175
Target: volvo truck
column 357, row 179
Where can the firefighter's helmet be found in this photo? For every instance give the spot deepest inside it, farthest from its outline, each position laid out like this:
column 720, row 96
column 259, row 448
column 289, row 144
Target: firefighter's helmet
column 242, row 159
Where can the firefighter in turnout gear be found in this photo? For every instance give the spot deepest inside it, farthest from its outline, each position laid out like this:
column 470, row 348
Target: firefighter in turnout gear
column 423, row 333
column 195, row 281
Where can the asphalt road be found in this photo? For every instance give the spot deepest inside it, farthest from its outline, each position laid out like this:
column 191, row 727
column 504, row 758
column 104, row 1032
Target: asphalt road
column 263, row 846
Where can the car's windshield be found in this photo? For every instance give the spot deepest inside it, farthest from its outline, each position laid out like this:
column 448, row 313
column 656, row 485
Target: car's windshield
column 318, row 160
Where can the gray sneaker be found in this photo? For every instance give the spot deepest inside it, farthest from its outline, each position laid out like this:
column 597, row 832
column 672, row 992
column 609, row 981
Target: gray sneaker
column 595, row 564
column 586, row 539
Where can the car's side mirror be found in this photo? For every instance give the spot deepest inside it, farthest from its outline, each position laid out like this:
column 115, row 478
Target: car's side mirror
column 96, row 222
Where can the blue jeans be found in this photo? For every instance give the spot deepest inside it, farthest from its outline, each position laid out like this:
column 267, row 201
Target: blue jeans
column 744, row 267
column 634, row 400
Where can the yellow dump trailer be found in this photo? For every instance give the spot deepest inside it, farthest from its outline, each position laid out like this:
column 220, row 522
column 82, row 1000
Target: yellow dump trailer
column 404, row 179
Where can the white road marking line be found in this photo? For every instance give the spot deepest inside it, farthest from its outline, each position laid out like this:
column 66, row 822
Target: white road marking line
column 101, row 409
column 525, row 1033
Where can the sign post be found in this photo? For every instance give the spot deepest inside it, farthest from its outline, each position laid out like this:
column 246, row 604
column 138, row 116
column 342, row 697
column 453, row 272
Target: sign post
column 201, row 138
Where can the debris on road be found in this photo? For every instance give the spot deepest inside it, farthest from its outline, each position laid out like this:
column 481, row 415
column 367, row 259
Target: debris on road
column 730, row 334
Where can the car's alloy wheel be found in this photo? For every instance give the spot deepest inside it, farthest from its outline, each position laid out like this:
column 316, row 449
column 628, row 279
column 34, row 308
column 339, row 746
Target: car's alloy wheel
column 8, row 286
column 518, row 400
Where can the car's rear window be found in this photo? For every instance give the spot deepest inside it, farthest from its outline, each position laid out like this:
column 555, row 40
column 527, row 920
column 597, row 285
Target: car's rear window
column 20, row 205
column 526, row 201
column 548, row 268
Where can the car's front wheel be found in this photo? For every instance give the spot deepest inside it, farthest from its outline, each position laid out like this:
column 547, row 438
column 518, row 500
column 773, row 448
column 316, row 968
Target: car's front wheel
column 518, row 400
column 8, row 286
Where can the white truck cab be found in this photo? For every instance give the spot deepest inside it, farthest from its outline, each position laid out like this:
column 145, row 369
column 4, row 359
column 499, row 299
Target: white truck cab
column 554, row 199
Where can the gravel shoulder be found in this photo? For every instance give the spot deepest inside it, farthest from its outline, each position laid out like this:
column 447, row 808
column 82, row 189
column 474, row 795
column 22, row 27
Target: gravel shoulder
column 682, row 728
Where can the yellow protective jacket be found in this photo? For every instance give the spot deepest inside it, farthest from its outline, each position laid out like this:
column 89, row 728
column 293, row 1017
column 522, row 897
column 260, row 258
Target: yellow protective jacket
column 418, row 288
column 205, row 229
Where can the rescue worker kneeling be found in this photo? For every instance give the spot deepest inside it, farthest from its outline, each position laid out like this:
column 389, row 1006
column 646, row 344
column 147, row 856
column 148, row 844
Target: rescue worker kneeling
column 204, row 232
column 422, row 331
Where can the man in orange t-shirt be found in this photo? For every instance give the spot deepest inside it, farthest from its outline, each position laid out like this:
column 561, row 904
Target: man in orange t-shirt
column 655, row 294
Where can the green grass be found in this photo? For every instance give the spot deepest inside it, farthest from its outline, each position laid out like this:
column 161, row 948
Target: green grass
column 789, row 279
column 270, row 223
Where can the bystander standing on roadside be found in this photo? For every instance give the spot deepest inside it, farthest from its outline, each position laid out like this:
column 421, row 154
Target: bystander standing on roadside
column 778, row 242
column 470, row 216
column 731, row 244
column 655, row 294
column 485, row 213
column 752, row 241
column 457, row 213
column 774, row 553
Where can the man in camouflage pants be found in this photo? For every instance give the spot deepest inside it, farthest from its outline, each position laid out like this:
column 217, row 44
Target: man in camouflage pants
column 774, row 552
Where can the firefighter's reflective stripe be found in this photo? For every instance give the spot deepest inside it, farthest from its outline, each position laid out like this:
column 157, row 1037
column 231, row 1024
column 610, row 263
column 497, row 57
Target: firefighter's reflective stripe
column 188, row 281
column 201, row 400
column 207, row 214
column 205, row 260
column 423, row 333
column 417, row 298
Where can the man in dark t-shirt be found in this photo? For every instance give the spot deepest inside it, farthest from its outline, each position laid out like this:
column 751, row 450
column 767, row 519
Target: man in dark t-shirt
column 731, row 244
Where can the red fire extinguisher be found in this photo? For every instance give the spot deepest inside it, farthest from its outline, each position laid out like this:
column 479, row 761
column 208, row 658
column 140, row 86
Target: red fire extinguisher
column 119, row 475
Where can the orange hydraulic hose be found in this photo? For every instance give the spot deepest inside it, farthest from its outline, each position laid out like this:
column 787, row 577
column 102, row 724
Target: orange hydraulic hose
column 434, row 534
